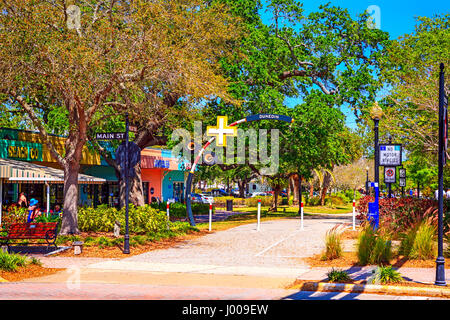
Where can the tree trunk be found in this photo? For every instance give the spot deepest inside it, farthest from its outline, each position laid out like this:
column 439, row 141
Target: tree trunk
column 69, row 223
column 276, row 192
column 136, row 195
column 295, row 182
column 311, row 189
column 241, row 185
column 325, row 186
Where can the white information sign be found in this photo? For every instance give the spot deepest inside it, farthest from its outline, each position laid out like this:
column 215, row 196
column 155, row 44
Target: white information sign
column 389, row 174
column 402, row 182
column 390, row 155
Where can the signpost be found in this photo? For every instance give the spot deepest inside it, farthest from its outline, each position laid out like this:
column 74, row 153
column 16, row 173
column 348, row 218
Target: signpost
column 126, row 161
column 402, row 179
column 389, row 178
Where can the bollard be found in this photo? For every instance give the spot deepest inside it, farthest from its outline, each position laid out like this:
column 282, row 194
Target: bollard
column 210, row 216
column 354, row 214
column 168, row 216
column 301, row 213
column 259, row 214
column 77, row 247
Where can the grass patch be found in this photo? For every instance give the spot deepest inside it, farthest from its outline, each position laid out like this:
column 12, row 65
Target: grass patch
column 333, row 244
column 11, row 261
column 385, row 275
column 373, row 247
column 338, row 275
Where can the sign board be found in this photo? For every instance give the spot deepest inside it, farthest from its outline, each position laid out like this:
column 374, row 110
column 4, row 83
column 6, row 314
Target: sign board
column 402, row 173
column 132, row 129
column 390, row 155
column 134, row 157
column 20, row 150
column 389, row 175
column 402, row 182
column 110, row 136
column 257, row 117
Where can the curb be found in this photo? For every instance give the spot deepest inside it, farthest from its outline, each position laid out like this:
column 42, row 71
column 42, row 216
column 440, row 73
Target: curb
column 373, row 288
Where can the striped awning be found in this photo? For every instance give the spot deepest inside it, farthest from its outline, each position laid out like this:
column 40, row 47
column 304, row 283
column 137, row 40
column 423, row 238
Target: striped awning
column 14, row 171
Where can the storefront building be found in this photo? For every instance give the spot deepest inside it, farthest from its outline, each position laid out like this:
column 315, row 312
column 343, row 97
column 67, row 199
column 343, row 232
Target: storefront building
column 162, row 176
column 27, row 166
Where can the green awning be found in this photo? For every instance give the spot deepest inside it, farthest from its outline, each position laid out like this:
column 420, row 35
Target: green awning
column 14, row 171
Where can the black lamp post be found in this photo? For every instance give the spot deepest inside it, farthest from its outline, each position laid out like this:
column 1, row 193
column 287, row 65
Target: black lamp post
column 440, row 261
column 126, row 242
column 376, row 113
column 367, row 180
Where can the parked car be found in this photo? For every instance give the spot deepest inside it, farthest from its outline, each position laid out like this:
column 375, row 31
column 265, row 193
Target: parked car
column 195, row 197
column 206, row 198
column 260, row 194
column 220, row 193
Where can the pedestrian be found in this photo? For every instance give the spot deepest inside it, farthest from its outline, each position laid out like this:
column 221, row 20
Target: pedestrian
column 447, row 195
column 22, row 202
column 33, row 210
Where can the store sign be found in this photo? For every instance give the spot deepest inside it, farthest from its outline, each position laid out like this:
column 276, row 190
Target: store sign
column 20, row 150
column 389, row 175
column 390, row 155
column 164, row 164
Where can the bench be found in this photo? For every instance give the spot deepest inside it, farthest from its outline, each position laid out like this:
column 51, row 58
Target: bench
column 31, row 231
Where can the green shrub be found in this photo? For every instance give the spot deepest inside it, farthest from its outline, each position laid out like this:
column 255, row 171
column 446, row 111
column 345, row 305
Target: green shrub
column 333, row 245
column 178, row 209
column 314, row 201
column 102, row 219
column 337, row 275
column 385, row 274
column 382, row 250
column 266, row 201
column 424, row 247
column 373, row 248
column 11, row 261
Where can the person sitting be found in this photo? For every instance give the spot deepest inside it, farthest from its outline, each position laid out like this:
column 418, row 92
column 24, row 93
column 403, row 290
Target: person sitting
column 57, row 210
column 22, row 202
column 33, row 210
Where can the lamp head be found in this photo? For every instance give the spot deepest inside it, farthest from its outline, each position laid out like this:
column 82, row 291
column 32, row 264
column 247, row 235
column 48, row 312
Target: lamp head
column 376, row 112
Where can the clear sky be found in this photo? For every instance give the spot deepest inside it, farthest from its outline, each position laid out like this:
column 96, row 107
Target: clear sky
column 397, row 17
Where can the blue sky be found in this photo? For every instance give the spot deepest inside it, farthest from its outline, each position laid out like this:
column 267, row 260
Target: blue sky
column 397, row 17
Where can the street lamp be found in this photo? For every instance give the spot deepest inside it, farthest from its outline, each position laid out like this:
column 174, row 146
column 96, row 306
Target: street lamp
column 376, row 113
column 367, row 180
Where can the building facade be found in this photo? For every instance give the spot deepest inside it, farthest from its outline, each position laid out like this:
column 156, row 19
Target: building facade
column 162, row 176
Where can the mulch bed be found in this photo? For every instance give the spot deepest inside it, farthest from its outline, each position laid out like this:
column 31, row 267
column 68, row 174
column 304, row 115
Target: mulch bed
column 30, row 271
column 349, row 259
column 117, row 251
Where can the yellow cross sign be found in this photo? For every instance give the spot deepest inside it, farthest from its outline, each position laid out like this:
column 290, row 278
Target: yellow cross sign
column 221, row 131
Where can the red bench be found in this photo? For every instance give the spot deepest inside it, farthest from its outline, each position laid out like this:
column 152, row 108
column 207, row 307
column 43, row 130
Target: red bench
column 31, row 231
